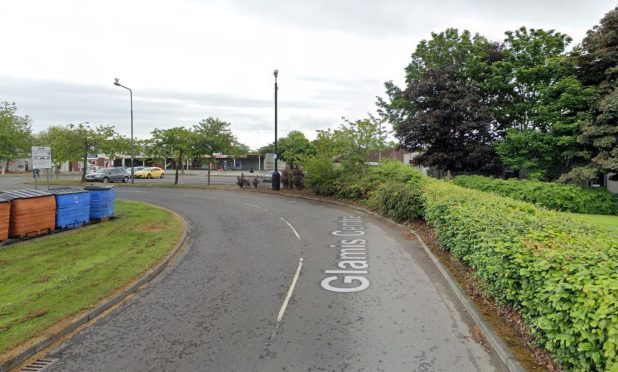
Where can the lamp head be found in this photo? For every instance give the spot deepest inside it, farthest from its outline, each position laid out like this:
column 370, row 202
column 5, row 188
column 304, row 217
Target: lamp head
column 116, row 81
column 276, row 73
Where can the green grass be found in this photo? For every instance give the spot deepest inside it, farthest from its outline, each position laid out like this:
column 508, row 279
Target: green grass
column 46, row 280
column 598, row 220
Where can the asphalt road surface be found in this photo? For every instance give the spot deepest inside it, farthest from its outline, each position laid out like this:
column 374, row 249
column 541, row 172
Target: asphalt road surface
column 270, row 283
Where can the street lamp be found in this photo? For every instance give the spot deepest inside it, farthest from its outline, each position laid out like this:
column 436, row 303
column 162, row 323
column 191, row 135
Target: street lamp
column 276, row 179
column 116, row 83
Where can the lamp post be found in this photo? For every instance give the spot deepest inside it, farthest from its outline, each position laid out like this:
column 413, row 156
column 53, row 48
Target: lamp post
column 276, row 179
column 116, row 83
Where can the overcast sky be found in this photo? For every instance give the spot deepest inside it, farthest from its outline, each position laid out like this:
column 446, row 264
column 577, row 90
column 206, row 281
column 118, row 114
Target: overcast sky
column 187, row 60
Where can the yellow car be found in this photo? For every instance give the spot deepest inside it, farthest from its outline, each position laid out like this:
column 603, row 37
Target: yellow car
column 150, row 172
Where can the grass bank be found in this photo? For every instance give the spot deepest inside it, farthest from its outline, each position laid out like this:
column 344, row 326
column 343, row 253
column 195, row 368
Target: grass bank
column 49, row 279
column 598, row 220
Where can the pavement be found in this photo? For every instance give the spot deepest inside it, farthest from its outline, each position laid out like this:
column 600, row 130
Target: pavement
column 270, row 283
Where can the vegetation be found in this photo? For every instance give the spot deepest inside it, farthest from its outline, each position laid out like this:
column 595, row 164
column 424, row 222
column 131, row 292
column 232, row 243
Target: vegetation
column 15, row 134
column 560, row 273
column 475, row 105
column 49, row 279
column 557, row 196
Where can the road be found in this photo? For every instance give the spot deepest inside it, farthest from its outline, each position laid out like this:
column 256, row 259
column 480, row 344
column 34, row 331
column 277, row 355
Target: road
column 262, row 286
column 11, row 182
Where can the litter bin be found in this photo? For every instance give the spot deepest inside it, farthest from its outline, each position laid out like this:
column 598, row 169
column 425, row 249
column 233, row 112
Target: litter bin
column 5, row 213
column 33, row 212
column 72, row 207
column 102, row 201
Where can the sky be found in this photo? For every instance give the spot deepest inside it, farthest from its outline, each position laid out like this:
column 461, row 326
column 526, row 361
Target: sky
column 187, row 60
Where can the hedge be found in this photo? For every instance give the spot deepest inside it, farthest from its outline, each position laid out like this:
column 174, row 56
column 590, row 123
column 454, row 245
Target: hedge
column 561, row 274
column 557, row 196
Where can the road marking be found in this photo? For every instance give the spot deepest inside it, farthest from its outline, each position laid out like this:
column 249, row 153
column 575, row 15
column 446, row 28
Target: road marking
column 131, row 191
column 292, row 227
column 289, row 295
column 254, row 206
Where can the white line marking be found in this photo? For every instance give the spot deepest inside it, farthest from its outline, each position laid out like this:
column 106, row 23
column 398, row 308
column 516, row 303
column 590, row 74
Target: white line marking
column 287, row 298
column 291, row 227
column 253, row 205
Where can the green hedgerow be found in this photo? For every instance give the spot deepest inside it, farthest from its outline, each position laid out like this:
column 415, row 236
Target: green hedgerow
column 551, row 195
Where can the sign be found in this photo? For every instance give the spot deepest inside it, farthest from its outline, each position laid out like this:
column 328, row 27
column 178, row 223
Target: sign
column 269, row 161
column 41, row 157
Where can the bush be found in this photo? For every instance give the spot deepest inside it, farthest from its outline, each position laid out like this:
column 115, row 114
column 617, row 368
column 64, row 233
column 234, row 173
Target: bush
column 399, row 201
column 557, row 196
column 559, row 273
column 320, row 175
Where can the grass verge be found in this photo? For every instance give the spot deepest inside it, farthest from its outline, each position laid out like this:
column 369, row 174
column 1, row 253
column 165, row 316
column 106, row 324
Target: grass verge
column 598, row 220
column 49, row 279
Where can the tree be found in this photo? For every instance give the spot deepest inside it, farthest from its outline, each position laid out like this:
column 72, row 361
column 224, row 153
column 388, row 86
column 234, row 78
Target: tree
column 352, row 141
column 541, row 103
column 15, row 134
column 471, row 55
column 75, row 142
column 176, row 141
column 212, row 136
column 451, row 127
column 597, row 62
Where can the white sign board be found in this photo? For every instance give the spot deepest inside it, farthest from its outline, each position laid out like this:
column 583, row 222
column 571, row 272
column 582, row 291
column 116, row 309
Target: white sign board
column 41, row 157
column 269, row 161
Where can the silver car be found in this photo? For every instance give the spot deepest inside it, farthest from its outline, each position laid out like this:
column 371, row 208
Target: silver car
column 109, row 175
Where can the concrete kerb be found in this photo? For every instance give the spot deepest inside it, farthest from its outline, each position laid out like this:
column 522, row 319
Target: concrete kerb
column 30, row 351
column 495, row 341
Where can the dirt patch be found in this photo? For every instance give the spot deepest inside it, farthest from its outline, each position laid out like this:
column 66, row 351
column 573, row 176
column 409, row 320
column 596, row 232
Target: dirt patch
column 156, row 227
column 41, row 279
column 33, row 315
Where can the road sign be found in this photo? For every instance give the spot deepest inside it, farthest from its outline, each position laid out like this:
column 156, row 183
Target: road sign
column 41, row 157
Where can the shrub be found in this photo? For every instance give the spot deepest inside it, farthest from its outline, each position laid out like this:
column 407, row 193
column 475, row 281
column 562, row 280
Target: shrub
column 320, row 175
column 399, row 201
column 557, row 196
column 561, row 274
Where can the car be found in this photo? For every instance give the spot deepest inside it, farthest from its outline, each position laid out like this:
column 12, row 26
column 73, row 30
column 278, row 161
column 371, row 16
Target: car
column 135, row 169
column 109, row 175
column 150, row 172
column 93, row 169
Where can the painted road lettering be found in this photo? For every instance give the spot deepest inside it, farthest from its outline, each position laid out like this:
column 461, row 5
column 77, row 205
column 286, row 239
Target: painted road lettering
column 352, row 258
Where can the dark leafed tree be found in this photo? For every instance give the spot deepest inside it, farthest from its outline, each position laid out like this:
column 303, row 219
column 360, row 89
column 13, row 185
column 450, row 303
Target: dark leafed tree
column 597, row 61
column 451, row 125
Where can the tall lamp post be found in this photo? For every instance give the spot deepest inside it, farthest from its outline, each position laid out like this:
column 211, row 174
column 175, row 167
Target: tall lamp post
column 116, row 83
column 276, row 179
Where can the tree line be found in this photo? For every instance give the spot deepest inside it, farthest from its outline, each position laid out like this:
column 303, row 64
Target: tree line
column 471, row 104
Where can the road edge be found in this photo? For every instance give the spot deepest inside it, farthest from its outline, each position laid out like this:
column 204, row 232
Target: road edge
column 103, row 305
column 494, row 340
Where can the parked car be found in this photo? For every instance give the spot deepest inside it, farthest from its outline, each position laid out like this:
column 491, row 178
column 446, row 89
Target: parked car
column 93, row 169
column 135, row 169
column 150, row 172
column 108, row 175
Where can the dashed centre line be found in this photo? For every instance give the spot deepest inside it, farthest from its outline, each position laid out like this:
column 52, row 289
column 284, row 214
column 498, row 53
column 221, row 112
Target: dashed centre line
column 290, row 291
column 291, row 227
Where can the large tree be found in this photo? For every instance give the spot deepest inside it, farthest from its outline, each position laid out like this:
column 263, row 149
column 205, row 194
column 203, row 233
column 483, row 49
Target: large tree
column 597, row 61
column 15, row 134
column 542, row 103
column 212, row 136
column 451, row 126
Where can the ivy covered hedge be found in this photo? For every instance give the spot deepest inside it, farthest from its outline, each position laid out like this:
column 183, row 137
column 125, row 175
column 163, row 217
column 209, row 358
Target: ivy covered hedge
column 561, row 274
column 557, row 196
